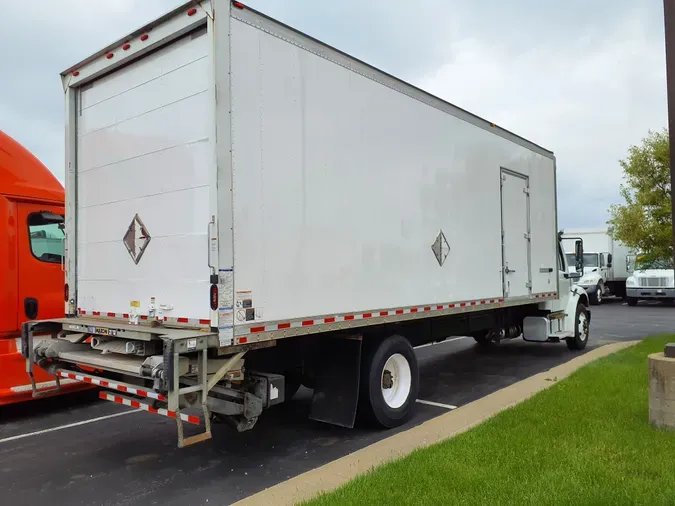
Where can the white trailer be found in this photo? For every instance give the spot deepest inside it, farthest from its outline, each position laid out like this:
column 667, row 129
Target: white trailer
column 607, row 263
column 249, row 209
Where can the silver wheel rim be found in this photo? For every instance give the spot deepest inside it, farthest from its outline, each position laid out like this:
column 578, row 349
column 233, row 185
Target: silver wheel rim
column 582, row 325
column 599, row 294
column 396, row 381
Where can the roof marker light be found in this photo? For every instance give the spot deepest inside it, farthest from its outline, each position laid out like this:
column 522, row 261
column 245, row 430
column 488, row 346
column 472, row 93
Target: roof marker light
column 126, row 46
column 192, row 12
column 109, row 55
column 238, row 5
column 144, row 36
column 76, row 73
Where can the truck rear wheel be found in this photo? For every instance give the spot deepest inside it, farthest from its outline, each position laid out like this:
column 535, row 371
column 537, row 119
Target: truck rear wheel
column 389, row 382
column 581, row 329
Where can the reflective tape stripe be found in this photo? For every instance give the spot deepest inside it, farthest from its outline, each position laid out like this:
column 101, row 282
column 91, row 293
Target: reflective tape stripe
column 145, row 407
column 120, row 387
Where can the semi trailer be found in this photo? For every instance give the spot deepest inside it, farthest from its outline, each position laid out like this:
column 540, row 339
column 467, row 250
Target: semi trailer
column 250, row 210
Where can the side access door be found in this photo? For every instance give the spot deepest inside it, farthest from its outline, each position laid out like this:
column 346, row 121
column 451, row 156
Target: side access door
column 40, row 255
column 515, row 197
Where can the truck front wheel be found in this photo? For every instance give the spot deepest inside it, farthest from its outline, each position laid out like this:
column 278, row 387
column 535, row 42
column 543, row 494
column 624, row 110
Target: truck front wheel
column 581, row 329
column 631, row 301
column 389, row 382
column 596, row 298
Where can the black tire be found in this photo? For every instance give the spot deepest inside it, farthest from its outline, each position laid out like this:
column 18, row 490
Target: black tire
column 482, row 338
column 631, row 301
column 580, row 339
column 596, row 298
column 372, row 405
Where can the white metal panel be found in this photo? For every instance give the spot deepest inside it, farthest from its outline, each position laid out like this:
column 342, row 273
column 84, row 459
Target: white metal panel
column 145, row 147
column 341, row 185
column 515, row 231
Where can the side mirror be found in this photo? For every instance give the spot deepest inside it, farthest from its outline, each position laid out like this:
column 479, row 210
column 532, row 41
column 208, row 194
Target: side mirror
column 579, row 255
column 573, row 275
column 609, row 261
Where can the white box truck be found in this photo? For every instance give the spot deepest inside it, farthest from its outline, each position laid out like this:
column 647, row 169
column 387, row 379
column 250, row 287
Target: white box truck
column 249, row 210
column 607, row 263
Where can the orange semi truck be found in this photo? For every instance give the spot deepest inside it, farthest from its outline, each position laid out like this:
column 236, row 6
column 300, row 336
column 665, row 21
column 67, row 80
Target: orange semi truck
column 31, row 256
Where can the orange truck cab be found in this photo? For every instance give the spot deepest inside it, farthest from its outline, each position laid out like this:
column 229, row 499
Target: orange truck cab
column 31, row 254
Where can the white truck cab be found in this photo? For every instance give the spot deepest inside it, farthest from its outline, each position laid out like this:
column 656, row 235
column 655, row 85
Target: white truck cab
column 595, row 274
column 651, row 280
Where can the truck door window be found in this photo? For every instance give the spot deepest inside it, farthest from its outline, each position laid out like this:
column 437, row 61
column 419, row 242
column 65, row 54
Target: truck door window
column 561, row 260
column 602, row 260
column 46, row 234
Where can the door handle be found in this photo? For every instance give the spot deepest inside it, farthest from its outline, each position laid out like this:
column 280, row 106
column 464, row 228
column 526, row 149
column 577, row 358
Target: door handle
column 508, row 271
column 30, row 308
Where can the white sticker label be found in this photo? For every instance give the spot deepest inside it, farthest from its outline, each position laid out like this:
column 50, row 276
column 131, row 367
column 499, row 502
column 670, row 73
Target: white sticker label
column 243, row 299
column 192, row 344
column 226, row 336
column 274, row 392
column 225, row 317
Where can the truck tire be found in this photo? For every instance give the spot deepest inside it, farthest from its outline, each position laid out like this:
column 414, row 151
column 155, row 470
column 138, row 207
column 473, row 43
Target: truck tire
column 631, row 301
column 596, row 298
column 389, row 382
column 581, row 329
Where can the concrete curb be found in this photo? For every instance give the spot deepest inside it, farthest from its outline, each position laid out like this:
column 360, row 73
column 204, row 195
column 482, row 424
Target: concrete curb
column 338, row 472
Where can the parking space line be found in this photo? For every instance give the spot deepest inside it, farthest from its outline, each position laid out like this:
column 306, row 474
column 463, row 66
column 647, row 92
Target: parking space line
column 67, row 426
column 437, row 404
column 442, row 342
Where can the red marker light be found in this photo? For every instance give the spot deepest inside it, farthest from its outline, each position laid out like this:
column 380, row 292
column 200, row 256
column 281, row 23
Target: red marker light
column 144, row 36
column 126, row 46
column 238, row 5
column 192, row 12
column 109, row 55
column 66, row 292
column 214, row 297
column 76, row 73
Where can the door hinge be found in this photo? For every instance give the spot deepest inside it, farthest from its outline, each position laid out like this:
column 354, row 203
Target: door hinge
column 527, row 236
column 526, row 191
column 528, row 285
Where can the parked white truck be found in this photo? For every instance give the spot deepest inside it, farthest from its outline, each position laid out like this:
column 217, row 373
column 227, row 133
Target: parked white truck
column 651, row 280
column 249, row 210
column 607, row 263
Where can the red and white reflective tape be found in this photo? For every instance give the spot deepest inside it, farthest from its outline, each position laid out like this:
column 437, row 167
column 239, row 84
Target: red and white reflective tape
column 120, row 387
column 272, row 327
column 145, row 407
column 126, row 316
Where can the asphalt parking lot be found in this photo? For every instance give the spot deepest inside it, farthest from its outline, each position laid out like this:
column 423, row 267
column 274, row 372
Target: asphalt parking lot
column 51, row 451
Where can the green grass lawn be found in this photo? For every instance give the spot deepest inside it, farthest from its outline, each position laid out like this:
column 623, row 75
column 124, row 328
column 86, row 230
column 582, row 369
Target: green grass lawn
column 586, row 440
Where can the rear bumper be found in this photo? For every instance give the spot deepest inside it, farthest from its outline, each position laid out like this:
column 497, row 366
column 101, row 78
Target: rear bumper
column 651, row 293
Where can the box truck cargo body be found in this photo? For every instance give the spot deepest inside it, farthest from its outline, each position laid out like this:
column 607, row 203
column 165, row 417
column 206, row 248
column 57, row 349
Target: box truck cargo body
column 236, row 187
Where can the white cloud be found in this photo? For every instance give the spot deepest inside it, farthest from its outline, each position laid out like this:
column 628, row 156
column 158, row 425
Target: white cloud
column 587, row 100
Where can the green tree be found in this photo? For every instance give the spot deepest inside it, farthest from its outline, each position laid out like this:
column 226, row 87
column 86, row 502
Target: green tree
column 643, row 223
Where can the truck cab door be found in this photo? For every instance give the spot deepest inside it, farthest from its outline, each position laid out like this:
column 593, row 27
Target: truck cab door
column 40, row 239
column 602, row 267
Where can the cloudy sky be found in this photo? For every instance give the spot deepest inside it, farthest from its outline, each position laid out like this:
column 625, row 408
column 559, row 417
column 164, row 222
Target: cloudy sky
column 585, row 82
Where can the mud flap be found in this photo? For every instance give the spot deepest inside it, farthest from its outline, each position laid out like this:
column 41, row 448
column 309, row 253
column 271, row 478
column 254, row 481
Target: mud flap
column 338, row 374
